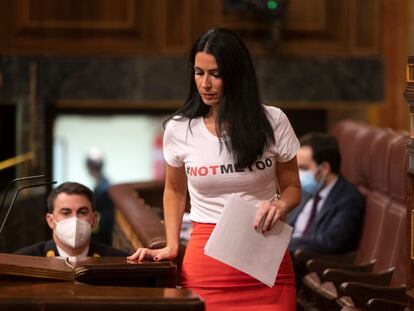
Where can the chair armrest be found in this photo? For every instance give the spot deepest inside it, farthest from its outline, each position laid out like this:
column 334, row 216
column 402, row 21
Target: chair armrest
column 318, row 266
column 303, row 255
column 380, row 304
column 338, row 276
column 361, row 293
column 325, row 297
column 347, row 308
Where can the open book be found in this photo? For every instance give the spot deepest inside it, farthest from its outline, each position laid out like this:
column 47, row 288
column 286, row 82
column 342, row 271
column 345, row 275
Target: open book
column 115, row 271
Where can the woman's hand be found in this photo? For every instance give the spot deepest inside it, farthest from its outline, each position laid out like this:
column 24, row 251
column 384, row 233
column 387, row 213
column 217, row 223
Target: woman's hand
column 268, row 214
column 166, row 253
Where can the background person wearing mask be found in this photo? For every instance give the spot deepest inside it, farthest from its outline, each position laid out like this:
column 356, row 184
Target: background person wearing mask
column 71, row 216
column 330, row 216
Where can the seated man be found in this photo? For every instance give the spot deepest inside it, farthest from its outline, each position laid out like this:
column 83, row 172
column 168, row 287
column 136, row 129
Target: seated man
column 329, row 218
column 71, row 216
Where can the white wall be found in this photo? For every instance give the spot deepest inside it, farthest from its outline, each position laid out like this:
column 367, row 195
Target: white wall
column 126, row 143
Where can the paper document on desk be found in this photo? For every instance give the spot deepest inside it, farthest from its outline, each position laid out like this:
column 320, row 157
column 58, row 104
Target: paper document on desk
column 235, row 242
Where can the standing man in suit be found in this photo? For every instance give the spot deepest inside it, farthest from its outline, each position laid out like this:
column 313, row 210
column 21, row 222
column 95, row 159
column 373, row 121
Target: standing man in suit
column 330, row 216
column 72, row 215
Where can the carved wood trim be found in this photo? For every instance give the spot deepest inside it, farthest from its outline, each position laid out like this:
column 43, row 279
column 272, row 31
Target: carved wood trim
column 316, row 27
column 26, row 22
column 315, row 23
column 365, row 21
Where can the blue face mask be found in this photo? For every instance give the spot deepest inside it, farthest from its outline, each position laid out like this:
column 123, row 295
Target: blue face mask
column 308, row 182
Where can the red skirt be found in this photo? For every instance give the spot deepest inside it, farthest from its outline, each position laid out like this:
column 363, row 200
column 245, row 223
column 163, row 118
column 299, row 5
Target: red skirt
column 225, row 288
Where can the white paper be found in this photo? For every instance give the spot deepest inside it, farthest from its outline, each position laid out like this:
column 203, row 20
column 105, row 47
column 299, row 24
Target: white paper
column 235, row 242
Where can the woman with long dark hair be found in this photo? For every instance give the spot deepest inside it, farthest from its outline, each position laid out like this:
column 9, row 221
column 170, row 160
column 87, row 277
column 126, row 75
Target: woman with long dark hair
column 224, row 141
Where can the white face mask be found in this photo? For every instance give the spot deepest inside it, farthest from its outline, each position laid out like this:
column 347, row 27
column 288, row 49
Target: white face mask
column 73, row 231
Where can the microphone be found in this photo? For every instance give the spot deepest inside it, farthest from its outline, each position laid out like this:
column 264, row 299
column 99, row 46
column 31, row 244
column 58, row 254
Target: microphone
column 20, row 189
column 14, row 181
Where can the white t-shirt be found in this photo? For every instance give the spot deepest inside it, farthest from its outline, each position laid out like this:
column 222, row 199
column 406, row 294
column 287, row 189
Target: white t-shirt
column 211, row 172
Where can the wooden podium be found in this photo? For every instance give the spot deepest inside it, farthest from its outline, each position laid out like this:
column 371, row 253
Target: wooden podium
column 112, row 283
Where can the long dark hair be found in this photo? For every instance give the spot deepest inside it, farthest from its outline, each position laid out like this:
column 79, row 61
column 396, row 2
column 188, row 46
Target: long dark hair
column 241, row 114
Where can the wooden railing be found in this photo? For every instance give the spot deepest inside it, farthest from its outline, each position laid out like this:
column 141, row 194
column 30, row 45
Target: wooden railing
column 16, row 160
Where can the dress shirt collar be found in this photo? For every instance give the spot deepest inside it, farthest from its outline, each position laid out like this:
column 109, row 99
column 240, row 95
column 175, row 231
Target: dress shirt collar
column 326, row 190
column 62, row 253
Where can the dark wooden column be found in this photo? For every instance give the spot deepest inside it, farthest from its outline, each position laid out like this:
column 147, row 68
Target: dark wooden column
column 409, row 96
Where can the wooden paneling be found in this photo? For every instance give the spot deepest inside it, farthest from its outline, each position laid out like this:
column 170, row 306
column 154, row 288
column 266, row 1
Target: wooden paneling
column 394, row 51
column 177, row 27
column 206, row 14
column 365, row 26
column 320, row 28
column 93, row 27
column 50, row 15
column 306, row 15
column 334, row 27
column 310, row 27
column 75, row 26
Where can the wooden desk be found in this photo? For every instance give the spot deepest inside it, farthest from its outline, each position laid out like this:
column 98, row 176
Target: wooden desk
column 38, row 283
column 112, row 271
column 62, row 296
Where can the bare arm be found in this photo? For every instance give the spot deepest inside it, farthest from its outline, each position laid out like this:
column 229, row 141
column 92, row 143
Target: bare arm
column 289, row 184
column 290, row 192
column 175, row 193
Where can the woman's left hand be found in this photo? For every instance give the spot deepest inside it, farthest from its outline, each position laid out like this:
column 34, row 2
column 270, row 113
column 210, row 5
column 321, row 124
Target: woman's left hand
column 268, row 214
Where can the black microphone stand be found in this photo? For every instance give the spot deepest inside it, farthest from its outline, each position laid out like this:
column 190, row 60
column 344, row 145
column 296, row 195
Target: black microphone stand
column 14, row 181
column 17, row 192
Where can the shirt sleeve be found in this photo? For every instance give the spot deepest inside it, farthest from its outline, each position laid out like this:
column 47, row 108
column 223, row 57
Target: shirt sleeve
column 171, row 146
column 286, row 143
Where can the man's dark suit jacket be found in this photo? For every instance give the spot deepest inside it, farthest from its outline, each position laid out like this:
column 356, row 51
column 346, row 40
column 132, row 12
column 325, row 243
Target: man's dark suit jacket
column 48, row 249
column 337, row 226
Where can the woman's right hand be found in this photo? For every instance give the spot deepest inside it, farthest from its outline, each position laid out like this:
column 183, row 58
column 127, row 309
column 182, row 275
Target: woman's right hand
column 166, row 253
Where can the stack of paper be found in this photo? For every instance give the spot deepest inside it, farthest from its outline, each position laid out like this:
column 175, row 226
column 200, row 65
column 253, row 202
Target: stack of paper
column 235, row 242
